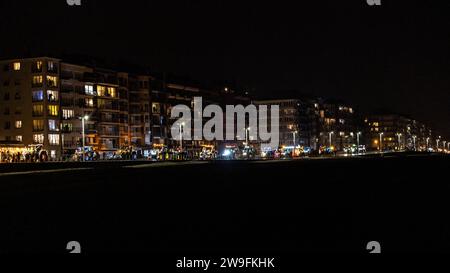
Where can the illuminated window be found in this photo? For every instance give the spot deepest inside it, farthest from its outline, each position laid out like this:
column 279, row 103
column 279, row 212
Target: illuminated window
column 38, row 125
column 156, row 108
column 350, row 110
column 38, row 95
column 38, row 110
column 341, row 134
column 19, row 138
column 37, row 80
column 52, row 96
column 101, row 90
column 18, row 124
column 52, row 110
column 341, row 121
column 67, row 113
column 16, row 66
column 39, row 139
column 67, row 127
column 89, row 89
column 111, row 92
column 39, row 65
column 53, row 139
column 52, row 125
column 51, row 66
column 89, row 102
column 52, row 81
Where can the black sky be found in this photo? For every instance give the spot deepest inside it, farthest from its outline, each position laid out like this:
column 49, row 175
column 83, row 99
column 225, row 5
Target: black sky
column 395, row 56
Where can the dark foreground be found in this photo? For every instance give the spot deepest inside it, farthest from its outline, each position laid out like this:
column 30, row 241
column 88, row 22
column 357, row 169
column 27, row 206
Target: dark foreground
column 232, row 207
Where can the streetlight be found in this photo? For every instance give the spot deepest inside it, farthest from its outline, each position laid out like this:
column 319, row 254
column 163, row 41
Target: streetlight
column 181, row 135
column 437, row 143
column 293, row 134
column 358, row 134
column 247, row 130
column 399, row 135
column 331, row 133
column 414, row 142
column 83, row 141
column 428, row 143
column 381, row 142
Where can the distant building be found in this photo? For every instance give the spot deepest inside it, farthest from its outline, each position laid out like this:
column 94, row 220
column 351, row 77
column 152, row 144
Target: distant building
column 397, row 132
column 336, row 124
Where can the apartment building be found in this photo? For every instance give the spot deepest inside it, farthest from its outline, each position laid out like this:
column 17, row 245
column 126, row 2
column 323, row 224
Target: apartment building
column 43, row 101
column 336, row 124
column 30, row 103
column 397, row 132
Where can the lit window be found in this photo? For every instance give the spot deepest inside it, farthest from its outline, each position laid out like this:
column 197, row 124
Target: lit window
column 89, row 102
column 53, row 154
column 67, row 127
column 38, row 110
column 341, row 134
column 18, row 124
column 38, row 95
column 19, row 138
column 67, row 113
column 52, row 125
column 111, row 92
column 156, row 108
column 38, row 65
column 39, row 139
column 16, row 66
column 38, row 125
column 50, row 66
column 37, row 80
column 89, row 89
column 52, row 81
column 52, row 110
column 52, row 96
column 53, row 139
column 101, row 90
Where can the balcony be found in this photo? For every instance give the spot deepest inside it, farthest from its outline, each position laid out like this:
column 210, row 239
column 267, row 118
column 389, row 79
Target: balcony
column 37, row 114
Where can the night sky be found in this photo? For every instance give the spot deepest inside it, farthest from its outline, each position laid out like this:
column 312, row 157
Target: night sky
column 391, row 57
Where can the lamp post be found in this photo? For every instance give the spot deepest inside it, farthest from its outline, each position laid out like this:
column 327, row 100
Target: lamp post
column 181, row 135
column 414, row 141
column 247, row 130
column 358, row 134
column 444, row 142
column 399, row 135
column 330, row 134
column 437, row 144
column 293, row 136
column 83, row 140
column 381, row 142
column 428, row 143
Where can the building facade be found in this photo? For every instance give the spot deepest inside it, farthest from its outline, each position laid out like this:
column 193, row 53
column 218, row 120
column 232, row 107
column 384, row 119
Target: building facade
column 393, row 132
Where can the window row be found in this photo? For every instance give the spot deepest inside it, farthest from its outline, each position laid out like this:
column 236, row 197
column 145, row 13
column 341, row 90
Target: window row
column 36, row 67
